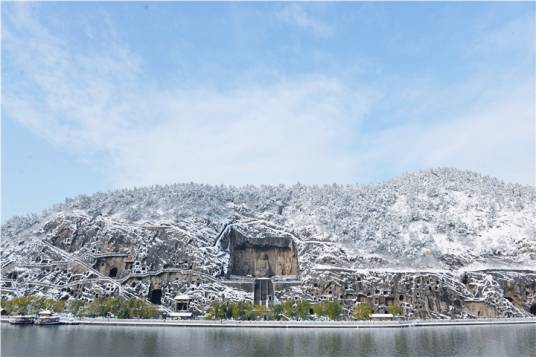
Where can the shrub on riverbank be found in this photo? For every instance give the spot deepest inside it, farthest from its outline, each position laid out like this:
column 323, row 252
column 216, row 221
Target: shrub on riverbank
column 118, row 306
column 394, row 309
column 300, row 310
column 288, row 308
column 276, row 312
column 219, row 310
column 363, row 311
column 31, row 304
column 330, row 309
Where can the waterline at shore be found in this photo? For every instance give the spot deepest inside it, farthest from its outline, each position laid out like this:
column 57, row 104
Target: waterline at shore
column 295, row 324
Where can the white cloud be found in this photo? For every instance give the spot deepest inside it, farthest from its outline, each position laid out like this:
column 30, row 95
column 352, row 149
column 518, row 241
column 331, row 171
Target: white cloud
column 498, row 139
column 303, row 129
column 279, row 133
column 298, row 15
column 96, row 102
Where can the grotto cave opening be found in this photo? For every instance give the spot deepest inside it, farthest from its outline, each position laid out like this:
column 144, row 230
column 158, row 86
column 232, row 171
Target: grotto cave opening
column 113, row 272
column 155, row 296
column 533, row 309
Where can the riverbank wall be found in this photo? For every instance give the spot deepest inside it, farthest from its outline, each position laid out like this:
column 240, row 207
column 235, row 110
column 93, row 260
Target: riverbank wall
column 295, row 324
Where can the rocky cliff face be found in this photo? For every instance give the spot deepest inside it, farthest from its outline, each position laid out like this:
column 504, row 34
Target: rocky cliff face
column 439, row 243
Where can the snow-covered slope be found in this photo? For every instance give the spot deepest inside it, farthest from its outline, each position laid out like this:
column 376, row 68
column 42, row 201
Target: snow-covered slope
column 441, row 218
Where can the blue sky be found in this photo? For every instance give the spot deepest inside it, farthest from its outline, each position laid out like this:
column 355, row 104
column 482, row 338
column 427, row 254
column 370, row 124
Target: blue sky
column 97, row 96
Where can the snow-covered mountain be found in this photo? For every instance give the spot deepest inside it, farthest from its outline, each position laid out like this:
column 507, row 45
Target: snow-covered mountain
column 435, row 220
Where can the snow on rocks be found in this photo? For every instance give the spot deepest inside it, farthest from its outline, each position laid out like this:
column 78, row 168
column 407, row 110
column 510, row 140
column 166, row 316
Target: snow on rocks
column 444, row 221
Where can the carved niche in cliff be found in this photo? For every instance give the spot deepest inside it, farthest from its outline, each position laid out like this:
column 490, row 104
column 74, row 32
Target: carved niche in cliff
column 261, row 257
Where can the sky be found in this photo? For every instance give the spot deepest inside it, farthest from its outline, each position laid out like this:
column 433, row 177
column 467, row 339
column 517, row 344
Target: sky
column 99, row 96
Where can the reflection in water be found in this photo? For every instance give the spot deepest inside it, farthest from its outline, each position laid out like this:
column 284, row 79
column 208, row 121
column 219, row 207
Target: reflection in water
column 62, row 341
column 401, row 345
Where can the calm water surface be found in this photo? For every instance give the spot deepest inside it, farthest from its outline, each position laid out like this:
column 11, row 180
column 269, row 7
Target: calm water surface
column 63, row 341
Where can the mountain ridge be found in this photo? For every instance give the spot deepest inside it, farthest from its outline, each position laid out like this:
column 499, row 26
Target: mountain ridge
column 436, row 208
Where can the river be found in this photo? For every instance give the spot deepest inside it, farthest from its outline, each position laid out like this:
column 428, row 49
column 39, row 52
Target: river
column 82, row 340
